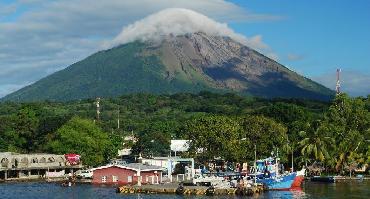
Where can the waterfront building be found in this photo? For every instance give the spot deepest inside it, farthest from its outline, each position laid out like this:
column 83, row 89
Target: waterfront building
column 15, row 166
column 133, row 173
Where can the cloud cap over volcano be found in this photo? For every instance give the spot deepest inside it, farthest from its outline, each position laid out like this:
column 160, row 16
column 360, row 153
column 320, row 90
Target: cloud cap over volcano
column 180, row 21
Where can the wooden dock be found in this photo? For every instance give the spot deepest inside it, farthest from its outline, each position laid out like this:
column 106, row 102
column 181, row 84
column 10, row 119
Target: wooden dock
column 189, row 190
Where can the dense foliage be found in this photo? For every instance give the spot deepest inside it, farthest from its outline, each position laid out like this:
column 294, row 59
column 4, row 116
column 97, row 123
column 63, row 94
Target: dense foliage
column 225, row 126
column 82, row 137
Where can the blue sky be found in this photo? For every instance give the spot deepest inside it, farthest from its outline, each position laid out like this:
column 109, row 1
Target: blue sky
column 313, row 38
column 325, row 33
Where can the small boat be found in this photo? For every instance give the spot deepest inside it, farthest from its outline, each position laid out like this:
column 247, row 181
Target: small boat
column 325, row 179
column 66, row 184
column 299, row 178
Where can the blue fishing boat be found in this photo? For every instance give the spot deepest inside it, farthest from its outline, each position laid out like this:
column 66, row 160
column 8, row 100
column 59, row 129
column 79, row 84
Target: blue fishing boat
column 268, row 172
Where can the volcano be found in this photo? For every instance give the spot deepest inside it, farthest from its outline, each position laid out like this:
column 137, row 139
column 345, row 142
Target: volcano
column 182, row 62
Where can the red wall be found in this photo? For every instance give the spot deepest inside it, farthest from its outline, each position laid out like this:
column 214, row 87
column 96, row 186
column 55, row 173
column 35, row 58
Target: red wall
column 150, row 173
column 122, row 175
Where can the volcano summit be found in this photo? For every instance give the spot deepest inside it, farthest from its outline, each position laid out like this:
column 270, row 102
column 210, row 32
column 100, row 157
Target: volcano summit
column 175, row 50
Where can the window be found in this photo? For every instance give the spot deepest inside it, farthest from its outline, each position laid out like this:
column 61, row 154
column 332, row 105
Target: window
column 115, row 178
column 129, row 179
column 104, row 179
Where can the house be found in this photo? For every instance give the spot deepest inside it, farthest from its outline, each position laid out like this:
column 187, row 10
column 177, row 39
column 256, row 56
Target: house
column 127, row 174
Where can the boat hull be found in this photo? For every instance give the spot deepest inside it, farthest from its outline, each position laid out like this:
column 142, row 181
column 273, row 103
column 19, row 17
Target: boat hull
column 299, row 178
column 297, row 181
column 280, row 183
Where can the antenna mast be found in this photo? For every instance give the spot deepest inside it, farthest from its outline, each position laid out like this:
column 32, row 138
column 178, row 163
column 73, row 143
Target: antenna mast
column 98, row 108
column 337, row 87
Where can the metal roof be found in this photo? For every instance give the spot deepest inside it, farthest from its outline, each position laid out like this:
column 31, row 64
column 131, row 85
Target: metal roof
column 132, row 166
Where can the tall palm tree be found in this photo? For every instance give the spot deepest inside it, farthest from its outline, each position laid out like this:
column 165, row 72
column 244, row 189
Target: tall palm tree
column 316, row 144
column 348, row 150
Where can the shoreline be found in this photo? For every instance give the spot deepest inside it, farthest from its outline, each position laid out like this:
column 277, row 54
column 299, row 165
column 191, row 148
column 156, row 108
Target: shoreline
column 340, row 178
column 50, row 180
column 89, row 181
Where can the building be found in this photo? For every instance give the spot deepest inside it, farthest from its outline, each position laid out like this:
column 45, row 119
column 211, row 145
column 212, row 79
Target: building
column 179, row 146
column 133, row 173
column 15, row 166
column 169, row 164
column 124, row 152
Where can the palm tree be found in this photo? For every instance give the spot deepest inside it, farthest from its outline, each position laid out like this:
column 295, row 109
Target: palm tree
column 348, row 150
column 316, row 144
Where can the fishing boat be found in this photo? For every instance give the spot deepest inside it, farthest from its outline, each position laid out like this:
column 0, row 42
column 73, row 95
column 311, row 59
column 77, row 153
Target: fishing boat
column 267, row 172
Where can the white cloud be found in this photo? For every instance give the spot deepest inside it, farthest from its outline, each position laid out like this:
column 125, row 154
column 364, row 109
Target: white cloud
column 6, row 9
column 180, row 21
column 294, row 57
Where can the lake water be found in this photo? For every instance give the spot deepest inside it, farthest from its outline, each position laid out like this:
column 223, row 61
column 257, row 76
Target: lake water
column 33, row 190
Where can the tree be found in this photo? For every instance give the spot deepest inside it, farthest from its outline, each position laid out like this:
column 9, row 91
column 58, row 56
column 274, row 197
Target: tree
column 83, row 137
column 213, row 136
column 115, row 144
column 263, row 132
column 12, row 142
column 316, row 142
column 348, row 120
column 286, row 113
column 26, row 126
column 155, row 139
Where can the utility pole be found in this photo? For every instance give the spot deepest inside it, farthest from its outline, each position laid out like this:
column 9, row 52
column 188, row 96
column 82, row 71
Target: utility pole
column 337, row 87
column 118, row 120
column 292, row 151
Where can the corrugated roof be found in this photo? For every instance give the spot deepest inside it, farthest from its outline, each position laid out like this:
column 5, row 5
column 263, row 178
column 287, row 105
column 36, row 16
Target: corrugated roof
column 132, row 166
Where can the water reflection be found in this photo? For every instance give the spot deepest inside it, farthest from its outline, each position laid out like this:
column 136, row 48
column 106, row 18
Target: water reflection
column 353, row 189
column 293, row 193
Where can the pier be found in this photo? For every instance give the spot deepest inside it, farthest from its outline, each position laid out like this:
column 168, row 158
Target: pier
column 173, row 188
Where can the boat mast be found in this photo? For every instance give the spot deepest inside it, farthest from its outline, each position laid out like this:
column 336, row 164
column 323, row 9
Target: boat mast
column 292, row 160
column 276, row 162
column 255, row 164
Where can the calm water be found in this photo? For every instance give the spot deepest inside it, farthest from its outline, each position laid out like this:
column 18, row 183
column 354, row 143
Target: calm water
column 354, row 189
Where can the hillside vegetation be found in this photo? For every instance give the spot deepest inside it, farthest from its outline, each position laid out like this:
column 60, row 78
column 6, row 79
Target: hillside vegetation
column 226, row 125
